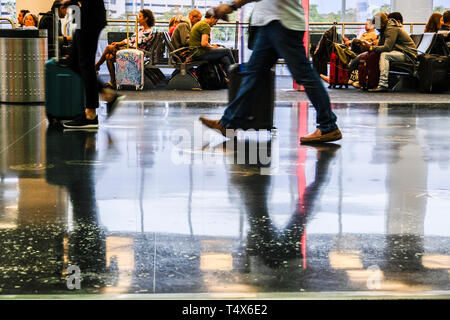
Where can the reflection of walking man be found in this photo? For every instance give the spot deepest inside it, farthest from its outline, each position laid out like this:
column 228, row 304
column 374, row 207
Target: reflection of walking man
column 281, row 28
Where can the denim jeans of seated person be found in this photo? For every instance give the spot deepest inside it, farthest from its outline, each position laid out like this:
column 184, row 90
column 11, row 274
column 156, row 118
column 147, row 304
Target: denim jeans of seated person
column 223, row 56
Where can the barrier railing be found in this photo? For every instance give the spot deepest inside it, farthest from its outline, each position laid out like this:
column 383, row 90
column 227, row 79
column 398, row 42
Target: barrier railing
column 236, row 25
column 9, row 21
column 344, row 24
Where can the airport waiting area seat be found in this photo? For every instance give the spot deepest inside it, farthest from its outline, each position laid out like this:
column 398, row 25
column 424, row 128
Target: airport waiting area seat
column 402, row 75
column 183, row 78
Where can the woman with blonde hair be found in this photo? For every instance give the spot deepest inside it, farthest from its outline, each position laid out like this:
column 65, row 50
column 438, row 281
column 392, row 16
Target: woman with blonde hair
column 434, row 23
column 173, row 23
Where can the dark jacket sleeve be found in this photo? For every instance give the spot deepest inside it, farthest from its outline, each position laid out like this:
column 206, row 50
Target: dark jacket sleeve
column 390, row 38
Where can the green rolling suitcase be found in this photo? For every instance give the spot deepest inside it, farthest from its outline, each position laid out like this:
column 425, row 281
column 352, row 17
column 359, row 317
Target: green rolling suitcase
column 64, row 89
column 64, row 92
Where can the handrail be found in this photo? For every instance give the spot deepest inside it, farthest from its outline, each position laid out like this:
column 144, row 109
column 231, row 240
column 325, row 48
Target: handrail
column 343, row 24
column 10, row 21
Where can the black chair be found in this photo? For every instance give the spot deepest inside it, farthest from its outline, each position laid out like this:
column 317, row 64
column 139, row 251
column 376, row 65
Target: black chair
column 183, row 78
column 402, row 75
column 116, row 36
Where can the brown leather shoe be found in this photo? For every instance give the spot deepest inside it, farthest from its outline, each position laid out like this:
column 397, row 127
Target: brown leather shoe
column 318, row 137
column 215, row 125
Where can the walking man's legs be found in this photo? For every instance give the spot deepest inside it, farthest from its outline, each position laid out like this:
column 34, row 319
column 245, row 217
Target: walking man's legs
column 289, row 45
column 261, row 61
column 82, row 61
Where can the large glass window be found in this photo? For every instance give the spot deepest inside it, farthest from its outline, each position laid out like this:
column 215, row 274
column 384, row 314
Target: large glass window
column 7, row 10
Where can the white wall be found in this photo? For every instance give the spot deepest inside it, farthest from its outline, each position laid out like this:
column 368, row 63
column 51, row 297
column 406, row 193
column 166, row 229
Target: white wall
column 35, row 6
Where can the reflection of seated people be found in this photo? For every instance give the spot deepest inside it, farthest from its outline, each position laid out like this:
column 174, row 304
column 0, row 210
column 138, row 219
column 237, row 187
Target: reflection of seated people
column 200, row 38
column 146, row 21
column 31, row 21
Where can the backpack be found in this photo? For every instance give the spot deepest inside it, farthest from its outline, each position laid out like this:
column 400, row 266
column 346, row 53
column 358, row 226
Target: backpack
column 211, row 76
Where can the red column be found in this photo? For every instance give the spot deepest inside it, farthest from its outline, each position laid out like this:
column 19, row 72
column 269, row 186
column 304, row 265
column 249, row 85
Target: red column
column 305, row 5
column 301, row 177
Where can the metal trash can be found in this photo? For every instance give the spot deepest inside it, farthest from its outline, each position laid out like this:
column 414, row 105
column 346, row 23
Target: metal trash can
column 23, row 54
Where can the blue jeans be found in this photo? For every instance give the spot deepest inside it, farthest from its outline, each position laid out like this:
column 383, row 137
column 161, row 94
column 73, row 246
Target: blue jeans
column 272, row 42
column 223, row 56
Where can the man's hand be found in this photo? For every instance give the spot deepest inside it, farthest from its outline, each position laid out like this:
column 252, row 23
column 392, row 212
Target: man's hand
column 214, row 46
column 222, row 10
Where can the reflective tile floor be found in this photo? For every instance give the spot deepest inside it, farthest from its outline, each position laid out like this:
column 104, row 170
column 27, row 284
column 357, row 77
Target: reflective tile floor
column 152, row 203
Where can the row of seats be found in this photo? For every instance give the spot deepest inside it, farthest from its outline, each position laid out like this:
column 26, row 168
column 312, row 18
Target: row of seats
column 162, row 54
column 402, row 75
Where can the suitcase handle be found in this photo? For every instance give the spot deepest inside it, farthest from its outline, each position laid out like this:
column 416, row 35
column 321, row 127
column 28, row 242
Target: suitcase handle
column 136, row 40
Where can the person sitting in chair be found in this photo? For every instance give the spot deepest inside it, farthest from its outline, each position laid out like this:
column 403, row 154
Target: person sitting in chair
column 398, row 46
column 180, row 36
column 200, row 38
column 146, row 21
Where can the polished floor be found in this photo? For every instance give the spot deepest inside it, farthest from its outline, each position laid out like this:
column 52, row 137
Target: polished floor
column 154, row 204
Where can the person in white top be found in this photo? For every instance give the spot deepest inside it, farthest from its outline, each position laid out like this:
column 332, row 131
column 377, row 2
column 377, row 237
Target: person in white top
column 280, row 30
column 31, row 21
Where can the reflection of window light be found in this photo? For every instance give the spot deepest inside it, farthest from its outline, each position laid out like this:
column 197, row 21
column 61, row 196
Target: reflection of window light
column 436, row 261
column 120, row 250
column 8, row 225
column 345, row 260
column 214, row 261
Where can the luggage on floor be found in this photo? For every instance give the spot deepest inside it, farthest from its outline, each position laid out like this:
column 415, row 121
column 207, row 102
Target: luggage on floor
column 130, row 69
column 339, row 61
column 432, row 73
column 130, row 66
column 211, row 76
column 369, row 70
column 261, row 115
column 64, row 92
column 339, row 74
column 64, row 88
column 322, row 53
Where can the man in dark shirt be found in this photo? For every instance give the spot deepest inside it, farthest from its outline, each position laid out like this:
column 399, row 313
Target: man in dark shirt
column 47, row 23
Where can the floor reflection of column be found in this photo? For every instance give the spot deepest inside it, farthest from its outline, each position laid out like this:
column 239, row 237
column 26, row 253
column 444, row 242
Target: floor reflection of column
column 301, row 178
column 406, row 184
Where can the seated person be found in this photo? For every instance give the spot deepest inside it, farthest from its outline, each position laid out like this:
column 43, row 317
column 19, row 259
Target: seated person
column 47, row 22
column 200, row 38
column 434, row 23
column 369, row 36
column 31, row 21
column 180, row 36
column 396, row 16
column 445, row 21
column 146, row 21
column 398, row 46
column 173, row 23
column 20, row 18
